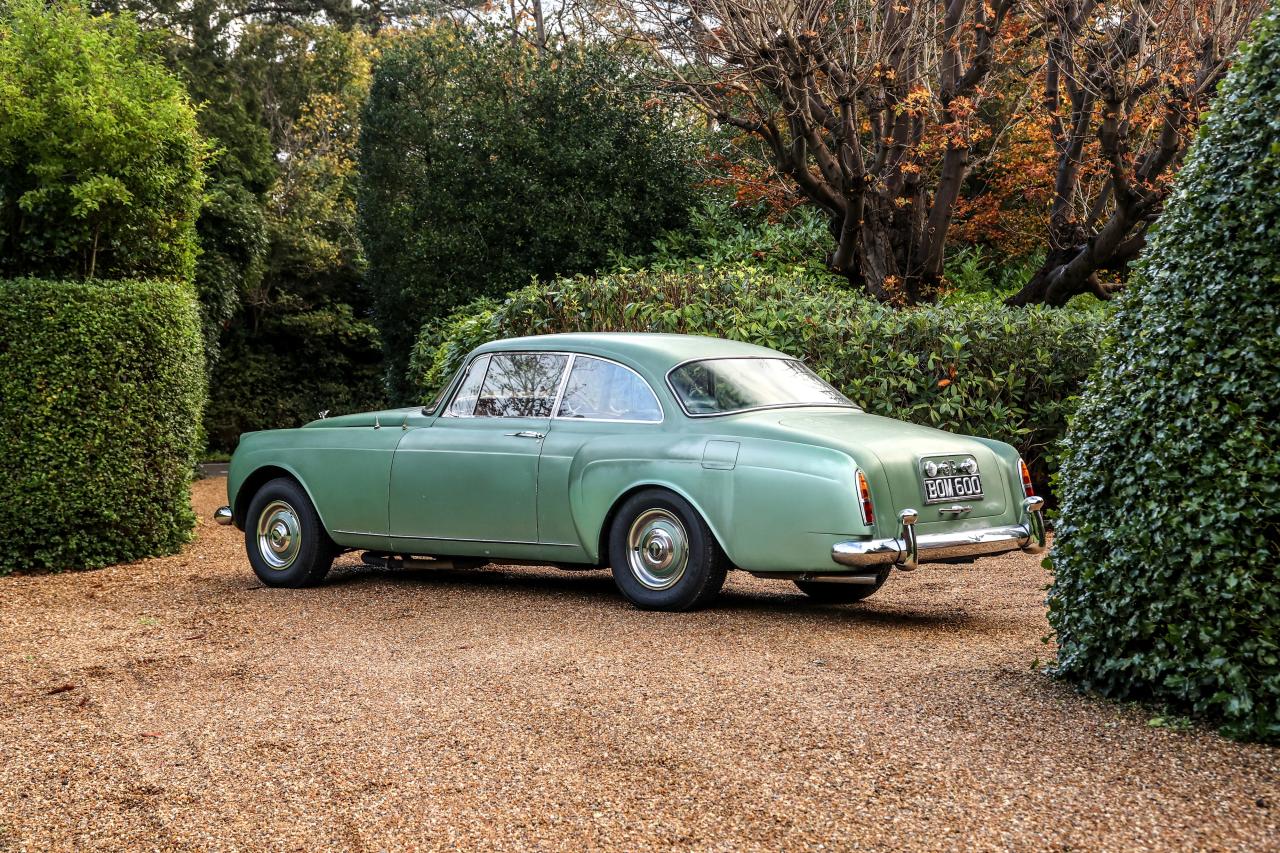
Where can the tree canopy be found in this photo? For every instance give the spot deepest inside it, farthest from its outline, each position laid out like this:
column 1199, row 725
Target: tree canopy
column 485, row 163
column 100, row 155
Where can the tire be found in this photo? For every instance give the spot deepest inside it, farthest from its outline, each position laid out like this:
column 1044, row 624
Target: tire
column 664, row 557
column 286, row 543
column 841, row 593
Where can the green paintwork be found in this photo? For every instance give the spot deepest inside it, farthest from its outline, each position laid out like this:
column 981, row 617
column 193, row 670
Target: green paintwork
column 776, row 486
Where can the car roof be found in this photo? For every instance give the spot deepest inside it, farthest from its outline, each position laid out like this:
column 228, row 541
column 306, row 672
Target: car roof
column 653, row 351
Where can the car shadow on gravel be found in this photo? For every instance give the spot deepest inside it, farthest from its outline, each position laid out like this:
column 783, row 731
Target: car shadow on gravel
column 597, row 587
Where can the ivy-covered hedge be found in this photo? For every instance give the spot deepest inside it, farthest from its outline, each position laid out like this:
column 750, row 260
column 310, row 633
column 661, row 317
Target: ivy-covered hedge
column 101, row 388
column 979, row 369
column 1167, row 562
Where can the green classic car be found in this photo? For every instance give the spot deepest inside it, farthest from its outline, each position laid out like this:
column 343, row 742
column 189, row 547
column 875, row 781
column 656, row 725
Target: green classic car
column 670, row 458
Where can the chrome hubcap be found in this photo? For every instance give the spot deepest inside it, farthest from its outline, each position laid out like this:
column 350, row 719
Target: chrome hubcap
column 657, row 549
column 279, row 535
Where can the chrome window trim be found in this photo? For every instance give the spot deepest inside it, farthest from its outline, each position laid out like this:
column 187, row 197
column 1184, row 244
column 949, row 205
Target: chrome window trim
column 559, row 385
column 564, row 383
column 780, row 357
column 559, row 398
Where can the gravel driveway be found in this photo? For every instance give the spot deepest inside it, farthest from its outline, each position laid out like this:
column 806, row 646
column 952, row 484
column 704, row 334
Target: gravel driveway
column 178, row 704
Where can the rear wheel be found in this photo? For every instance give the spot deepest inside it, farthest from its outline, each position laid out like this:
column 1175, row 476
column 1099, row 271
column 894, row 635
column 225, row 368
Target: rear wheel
column 663, row 554
column 286, row 542
column 826, row 592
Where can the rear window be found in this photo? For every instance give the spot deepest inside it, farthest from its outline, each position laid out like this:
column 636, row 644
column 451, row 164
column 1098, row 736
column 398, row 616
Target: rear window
column 720, row 386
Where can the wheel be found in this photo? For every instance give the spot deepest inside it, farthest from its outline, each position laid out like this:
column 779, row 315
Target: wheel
column 664, row 557
column 287, row 545
column 841, row 593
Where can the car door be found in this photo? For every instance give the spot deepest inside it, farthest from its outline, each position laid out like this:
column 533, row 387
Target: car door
column 608, row 406
column 472, row 474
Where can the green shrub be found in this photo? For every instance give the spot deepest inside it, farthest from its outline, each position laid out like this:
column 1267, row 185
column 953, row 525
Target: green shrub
column 985, row 370
column 977, row 274
column 100, row 393
column 484, row 164
column 100, row 159
column 1165, row 566
column 720, row 235
column 282, row 373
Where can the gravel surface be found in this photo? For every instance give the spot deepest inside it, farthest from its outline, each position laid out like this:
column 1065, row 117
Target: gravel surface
column 178, row 704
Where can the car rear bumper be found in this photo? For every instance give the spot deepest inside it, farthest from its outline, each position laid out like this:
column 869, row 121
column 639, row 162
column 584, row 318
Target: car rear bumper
column 908, row 549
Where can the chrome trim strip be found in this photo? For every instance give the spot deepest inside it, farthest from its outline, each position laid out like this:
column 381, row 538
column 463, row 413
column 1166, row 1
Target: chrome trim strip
column 564, row 383
column 779, row 357
column 455, row 539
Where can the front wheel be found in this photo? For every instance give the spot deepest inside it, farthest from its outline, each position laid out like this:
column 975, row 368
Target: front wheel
column 286, row 542
column 664, row 556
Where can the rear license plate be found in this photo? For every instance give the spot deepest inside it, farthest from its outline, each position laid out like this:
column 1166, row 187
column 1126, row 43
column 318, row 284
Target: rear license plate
column 952, row 488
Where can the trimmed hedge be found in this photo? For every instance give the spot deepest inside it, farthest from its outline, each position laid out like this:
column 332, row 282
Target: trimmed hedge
column 101, row 387
column 979, row 369
column 1166, row 585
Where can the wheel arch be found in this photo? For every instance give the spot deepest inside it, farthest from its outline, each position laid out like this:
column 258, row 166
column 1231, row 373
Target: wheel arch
column 259, row 477
column 602, row 537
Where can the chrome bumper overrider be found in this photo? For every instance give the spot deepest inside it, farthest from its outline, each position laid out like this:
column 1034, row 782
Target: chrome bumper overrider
column 909, row 550
column 223, row 515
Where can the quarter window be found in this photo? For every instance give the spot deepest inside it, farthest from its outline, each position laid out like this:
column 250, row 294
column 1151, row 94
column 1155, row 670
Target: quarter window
column 520, row 385
column 604, row 391
column 464, row 402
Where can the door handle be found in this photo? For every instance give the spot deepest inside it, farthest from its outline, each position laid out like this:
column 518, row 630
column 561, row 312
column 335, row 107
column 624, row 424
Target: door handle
column 527, row 433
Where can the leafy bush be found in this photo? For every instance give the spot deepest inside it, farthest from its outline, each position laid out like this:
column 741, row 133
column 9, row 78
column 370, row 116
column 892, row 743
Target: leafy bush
column 99, row 154
column 484, row 164
column 100, row 395
column 973, row 274
column 993, row 371
column 720, row 235
column 292, row 366
column 1165, row 580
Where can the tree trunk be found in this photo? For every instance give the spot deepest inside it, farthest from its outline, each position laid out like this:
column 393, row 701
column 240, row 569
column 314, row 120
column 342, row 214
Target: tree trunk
column 887, row 257
column 1072, row 269
column 1047, row 286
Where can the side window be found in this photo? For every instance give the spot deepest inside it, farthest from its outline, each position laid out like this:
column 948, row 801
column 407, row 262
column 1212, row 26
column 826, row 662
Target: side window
column 464, row 402
column 602, row 390
column 520, row 385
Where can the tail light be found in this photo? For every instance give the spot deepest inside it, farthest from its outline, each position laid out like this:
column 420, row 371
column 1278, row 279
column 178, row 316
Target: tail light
column 1027, row 489
column 864, row 496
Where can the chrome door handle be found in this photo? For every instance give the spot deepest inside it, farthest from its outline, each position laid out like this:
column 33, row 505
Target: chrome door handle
column 527, row 433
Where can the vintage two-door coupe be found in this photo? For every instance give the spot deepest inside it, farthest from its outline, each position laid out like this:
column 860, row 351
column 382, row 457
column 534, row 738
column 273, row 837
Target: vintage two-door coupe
column 670, row 458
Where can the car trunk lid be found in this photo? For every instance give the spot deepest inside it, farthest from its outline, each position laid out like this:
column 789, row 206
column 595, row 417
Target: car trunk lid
column 904, row 450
